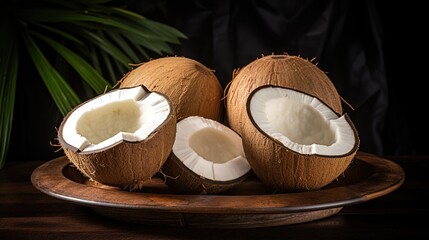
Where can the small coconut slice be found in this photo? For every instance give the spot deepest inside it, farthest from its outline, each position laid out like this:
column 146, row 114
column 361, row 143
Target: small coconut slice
column 207, row 157
column 294, row 142
column 120, row 138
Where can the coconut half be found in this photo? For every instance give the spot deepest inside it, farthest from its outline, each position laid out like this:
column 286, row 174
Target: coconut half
column 120, row 138
column 294, row 142
column 207, row 157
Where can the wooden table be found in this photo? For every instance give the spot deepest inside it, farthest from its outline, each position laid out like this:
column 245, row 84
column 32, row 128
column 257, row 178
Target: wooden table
column 26, row 213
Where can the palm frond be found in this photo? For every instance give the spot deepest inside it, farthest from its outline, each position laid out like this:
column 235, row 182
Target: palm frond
column 108, row 65
column 163, row 31
column 96, row 39
column 61, row 33
column 55, row 15
column 123, row 45
column 63, row 95
column 106, row 46
column 8, row 79
column 85, row 70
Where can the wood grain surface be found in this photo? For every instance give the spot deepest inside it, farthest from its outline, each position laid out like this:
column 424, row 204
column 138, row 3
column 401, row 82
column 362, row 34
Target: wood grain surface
column 27, row 213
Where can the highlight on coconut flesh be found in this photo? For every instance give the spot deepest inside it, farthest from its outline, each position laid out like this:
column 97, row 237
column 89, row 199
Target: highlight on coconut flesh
column 120, row 138
column 295, row 142
column 207, row 158
column 192, row 87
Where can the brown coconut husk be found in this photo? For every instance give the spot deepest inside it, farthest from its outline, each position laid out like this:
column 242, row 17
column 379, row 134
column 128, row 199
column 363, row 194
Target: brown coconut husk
column 192, row 87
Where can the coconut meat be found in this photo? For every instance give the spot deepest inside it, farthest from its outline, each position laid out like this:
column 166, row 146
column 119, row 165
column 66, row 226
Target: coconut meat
column 301, row 122
column 210, row 149
column 130, row 114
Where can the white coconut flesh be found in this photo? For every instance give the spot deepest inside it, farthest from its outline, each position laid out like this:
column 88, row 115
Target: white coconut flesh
column 130, row 114
column 210, row 149
column 301, row 122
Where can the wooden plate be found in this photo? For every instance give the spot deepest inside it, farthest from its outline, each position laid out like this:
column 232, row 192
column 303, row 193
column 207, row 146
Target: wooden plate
column 250, row 204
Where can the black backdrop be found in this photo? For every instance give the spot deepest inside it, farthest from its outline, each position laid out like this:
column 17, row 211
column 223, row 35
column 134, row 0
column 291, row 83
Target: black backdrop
column 367, row 48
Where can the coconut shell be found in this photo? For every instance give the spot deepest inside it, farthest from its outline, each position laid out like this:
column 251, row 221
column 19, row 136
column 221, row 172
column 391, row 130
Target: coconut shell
column 125, row 164
column 191, row 86
column 278, row 70
column 182, row 179
column 287, row 171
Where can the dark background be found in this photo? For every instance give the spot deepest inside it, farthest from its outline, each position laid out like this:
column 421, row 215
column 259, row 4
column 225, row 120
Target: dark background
column 386, row 88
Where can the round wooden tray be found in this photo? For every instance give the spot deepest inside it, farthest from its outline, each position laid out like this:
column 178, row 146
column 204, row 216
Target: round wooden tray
column 250, row 204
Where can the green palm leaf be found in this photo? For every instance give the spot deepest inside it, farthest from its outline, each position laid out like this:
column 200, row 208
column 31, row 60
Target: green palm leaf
column 64, row 96
column 60, row 33
column 167, row 33
column 123, row 45
column 8, row 78
column 86, row 71
column 106, row 46
column 95, row 39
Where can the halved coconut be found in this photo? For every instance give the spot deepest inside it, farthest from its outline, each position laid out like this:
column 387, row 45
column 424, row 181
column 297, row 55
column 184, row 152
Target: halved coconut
column 192, row 87
column 207, row 157
column 279, row 70
column 294, row 142
column 120, row 138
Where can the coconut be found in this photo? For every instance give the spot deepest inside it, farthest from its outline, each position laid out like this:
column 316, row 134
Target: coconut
column 294, row 141
column 207, row 157
column 191, row 86
column 120, row 138
column 279, row 70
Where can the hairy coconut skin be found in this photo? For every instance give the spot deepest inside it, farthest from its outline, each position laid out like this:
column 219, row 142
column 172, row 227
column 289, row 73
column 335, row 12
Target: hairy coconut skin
column 125, row 164
column 285, row 170
column 278, row 70
column 191, row 86
column 183, row 180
